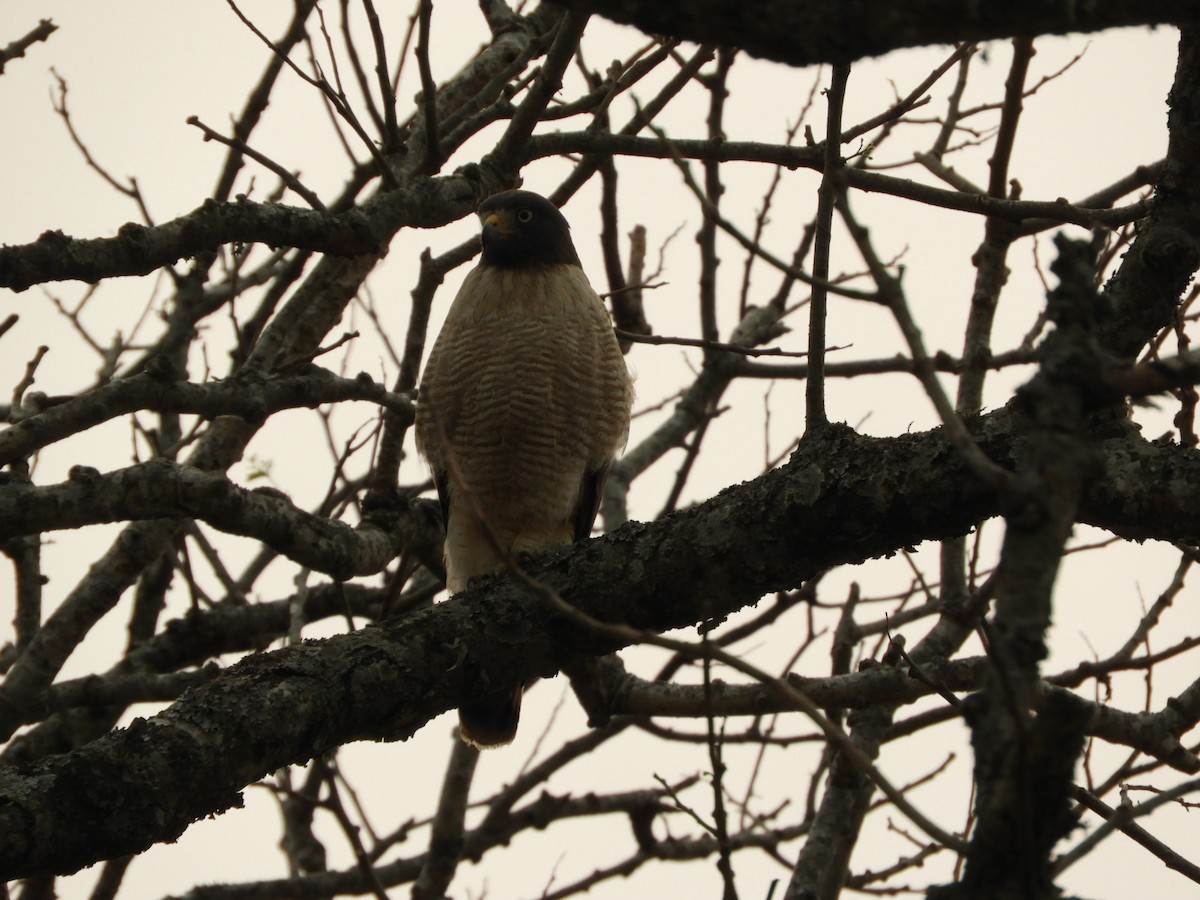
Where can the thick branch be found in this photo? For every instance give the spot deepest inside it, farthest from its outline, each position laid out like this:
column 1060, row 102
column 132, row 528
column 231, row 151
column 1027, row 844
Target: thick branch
column 803, row 32
column 1156, row 734
column 165, row 490
column 17, row 48
column 236, row 397
column 1165, row 254
column 138, row 250
column 147, row 783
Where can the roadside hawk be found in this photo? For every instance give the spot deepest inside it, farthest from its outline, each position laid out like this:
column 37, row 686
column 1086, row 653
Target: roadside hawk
column 526, row 398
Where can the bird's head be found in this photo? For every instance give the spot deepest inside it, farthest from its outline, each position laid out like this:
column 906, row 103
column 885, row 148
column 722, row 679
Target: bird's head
column 522, row 229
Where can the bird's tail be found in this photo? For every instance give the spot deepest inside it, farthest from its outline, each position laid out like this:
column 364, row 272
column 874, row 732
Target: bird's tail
column 491, row 721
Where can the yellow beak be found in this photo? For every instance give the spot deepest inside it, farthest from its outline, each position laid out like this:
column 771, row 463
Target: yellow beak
column 501, row 221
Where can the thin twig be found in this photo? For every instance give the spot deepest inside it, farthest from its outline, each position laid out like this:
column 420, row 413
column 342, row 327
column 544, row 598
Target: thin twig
column 721, row 346
column 814, row 397
column 891, row 291
column 433, row 153
column 132, row 191
column 387, row 93
column 245, row 149
column 337, row 100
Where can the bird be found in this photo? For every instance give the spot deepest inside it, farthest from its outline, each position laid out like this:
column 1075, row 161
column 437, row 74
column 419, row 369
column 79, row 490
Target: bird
column 523, row 406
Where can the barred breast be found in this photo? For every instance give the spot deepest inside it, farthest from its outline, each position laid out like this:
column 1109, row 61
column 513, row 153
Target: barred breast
column 526, row 388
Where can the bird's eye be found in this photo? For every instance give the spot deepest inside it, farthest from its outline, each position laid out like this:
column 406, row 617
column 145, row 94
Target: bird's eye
column 524, row 215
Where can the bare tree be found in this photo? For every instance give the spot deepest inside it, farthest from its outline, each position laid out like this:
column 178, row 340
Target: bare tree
column 821, row 653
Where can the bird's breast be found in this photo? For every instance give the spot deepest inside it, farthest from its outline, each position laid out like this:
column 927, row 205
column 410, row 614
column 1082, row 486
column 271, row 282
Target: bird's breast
column 536, row 291
column 528, row 386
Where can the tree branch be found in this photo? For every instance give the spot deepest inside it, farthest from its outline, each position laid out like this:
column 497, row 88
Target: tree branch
column 17, row 48
column 161, row 489
column 233, row 397
column 148, row 782
column 138, row 250
column 803, row 32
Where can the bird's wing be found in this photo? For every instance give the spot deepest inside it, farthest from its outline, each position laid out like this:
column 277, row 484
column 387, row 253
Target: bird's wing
column 591, row 493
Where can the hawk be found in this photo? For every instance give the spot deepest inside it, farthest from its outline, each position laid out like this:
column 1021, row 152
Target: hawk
column 526, row 399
